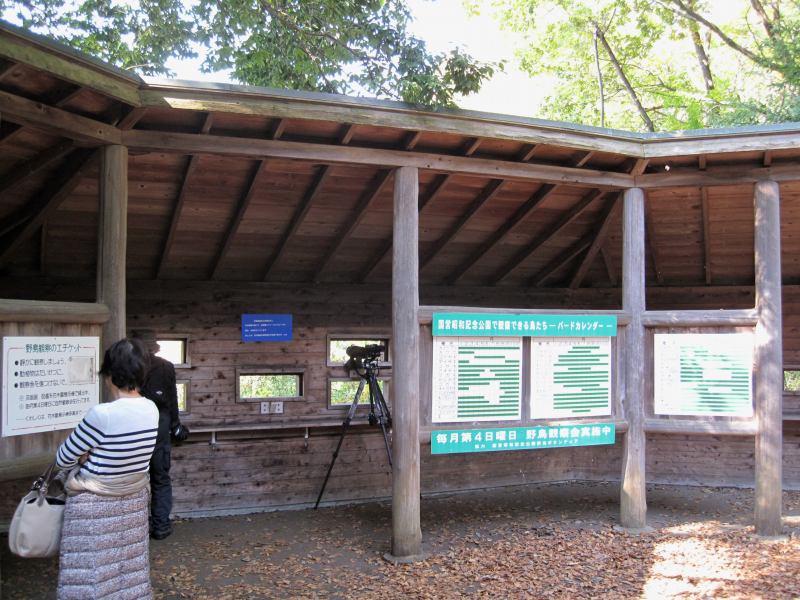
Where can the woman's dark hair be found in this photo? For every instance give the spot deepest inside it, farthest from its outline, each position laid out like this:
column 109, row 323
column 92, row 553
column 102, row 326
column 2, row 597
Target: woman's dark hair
column 126, row 363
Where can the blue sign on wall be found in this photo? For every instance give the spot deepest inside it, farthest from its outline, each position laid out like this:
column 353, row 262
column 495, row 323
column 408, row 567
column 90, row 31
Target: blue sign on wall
column 266, row 328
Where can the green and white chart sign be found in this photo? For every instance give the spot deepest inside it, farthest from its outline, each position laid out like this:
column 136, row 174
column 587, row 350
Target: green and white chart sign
column 528, row 325
column 521, row 438
column 704, row 374
column 570, row 377
column 476, row 379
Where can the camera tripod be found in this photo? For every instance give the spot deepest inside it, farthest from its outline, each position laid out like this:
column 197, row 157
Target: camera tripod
column 367, row 369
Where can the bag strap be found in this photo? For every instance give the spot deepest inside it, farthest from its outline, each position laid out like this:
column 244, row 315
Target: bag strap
column 42, row 482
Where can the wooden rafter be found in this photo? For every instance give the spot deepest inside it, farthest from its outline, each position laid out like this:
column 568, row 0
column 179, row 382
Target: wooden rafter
column 612, row 273
column 489, row 191
column 305, row 203
column 543, row 238
column 411, row 140
column 30, row 167
column 706, row 213
column 13, row 132
column 526, row 153
column 560, row 261
column 241, row 208
column 598, row 245
column 133, row 116
column 67, row 97
column 433, row 190
column 297, row 218
column 584, row 159
column 367, row 198
column 191, row 166
column 19, row 226
column 278, row 130
column 471, row 146
column 6, row 70
column 535, row 200
column 600, row 235
column 767, row 161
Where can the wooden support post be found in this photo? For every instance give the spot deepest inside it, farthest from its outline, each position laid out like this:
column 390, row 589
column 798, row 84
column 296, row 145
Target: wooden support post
column 112, row 240
column 633, row 502
column 406, row 532
column 768, row 360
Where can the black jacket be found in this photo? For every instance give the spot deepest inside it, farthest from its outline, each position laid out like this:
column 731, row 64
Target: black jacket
column 159, row 386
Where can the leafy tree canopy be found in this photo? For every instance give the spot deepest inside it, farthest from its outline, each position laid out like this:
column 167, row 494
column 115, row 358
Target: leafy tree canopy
column 662, row 64
column 338, row 46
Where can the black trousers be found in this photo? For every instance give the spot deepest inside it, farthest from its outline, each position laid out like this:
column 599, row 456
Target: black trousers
column 160, row 483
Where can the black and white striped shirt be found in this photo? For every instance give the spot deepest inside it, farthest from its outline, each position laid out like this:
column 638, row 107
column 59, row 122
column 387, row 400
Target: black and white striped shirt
column 119, row 437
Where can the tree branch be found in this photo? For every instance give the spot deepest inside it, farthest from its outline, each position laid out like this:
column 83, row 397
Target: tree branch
column 625, row 82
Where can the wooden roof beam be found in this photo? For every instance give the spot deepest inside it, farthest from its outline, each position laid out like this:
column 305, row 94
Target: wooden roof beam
column 600, row 236
column 526, row 153
column 54, row 120
column 241, row 208
column 471, row 146
column 767, row 161
column 19, row 226
column 367, row 198
column 543, row 238
column 713, row 176
column 178, row 209
column 32, row 166
column 377, row 157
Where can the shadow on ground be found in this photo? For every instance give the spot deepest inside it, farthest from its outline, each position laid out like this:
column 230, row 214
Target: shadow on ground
column 534, row 541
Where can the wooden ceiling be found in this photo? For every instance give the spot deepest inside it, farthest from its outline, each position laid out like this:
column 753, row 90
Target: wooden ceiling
column 243, row 184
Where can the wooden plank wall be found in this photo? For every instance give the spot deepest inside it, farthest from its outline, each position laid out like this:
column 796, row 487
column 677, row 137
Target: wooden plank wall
column 280, row 468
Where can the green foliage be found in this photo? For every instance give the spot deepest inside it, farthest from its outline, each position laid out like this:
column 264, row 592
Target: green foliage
column 343, row 392
column 752, row 58
column 339, row 46
column 791, row 381
column 269, row 386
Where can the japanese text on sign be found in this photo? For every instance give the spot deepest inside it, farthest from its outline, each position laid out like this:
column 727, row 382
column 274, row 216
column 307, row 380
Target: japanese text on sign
column 521, row 438
column 526, row 325
column 48, row 383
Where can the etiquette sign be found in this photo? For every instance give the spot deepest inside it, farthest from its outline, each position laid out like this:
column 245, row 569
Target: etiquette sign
column 49, row 383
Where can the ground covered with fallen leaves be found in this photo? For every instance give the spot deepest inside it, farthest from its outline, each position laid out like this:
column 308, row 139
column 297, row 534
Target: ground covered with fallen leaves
column 535, row 541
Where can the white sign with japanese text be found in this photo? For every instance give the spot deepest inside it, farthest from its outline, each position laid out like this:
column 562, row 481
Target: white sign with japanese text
column 49, row 383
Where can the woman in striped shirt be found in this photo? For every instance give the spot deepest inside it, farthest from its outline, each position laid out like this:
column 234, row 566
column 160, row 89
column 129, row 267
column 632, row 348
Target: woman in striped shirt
column 104, row 543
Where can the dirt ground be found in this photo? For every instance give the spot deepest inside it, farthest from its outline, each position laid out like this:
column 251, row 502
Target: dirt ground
column 534, row 541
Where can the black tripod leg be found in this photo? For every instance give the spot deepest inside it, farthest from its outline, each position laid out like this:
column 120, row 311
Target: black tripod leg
column 376, row 396
column 345, row 424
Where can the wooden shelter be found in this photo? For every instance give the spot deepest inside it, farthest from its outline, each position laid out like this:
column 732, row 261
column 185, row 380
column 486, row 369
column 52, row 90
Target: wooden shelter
column 130, row 203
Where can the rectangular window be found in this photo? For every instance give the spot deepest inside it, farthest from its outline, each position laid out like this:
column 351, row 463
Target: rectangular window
column 791, row 380
column 338, row 345
column 342, row 392
column 175, row 349
column 183, row 396
column 254, row 384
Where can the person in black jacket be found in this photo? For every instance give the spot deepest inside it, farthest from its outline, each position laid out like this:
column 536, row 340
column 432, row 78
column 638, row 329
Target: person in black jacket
column 160, row 387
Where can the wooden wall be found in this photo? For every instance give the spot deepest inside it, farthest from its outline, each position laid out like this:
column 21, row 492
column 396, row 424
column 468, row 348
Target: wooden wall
column 271, row 461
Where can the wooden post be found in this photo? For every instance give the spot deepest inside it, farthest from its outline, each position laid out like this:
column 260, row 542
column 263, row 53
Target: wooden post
column 633, row 502
column 112, row 240
column 406, row 532
column 768, row 360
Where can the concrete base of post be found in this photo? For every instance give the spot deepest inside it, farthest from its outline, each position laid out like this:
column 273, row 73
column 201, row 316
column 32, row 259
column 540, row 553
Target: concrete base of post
column 634, row 530
column 405, row 560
